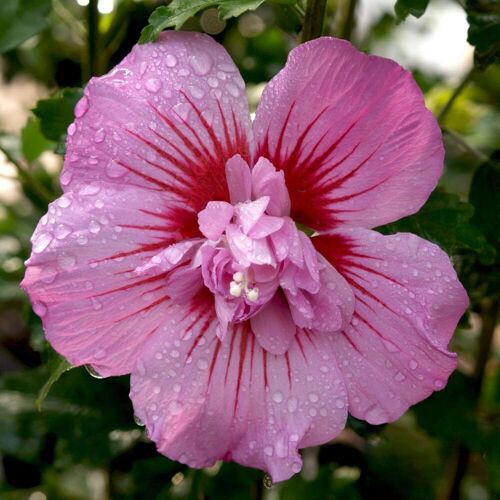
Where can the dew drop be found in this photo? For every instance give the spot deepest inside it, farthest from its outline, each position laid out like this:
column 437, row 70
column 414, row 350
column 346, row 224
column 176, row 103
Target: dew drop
column 292, row 404
column 269, row 451
column 413, row 364
column 92, row 371
column 99, row 135
column 115, row 170
column 64, row 202
column 48, row 274
column 94, row 227
column 201, row 63
column 175, row 408
column 40, row 308
column 71, row 129
column 438, row 384
column 138, row 421
column 196, row 92
column 170, row 60
column 182, row 110
column 202, row 364
column 277, row 397
column 81, row 107
column 313, row 397
column 61, row 231
column 66, row 261
column 153, row 85
column 65, row 178
column 233, row 89
column 41, row 242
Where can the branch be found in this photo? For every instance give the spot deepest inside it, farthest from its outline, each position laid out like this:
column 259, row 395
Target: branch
column 461, row 86
column 314, row 19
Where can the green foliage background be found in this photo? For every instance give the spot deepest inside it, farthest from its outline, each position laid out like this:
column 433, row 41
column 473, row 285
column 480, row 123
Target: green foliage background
column 67, row 435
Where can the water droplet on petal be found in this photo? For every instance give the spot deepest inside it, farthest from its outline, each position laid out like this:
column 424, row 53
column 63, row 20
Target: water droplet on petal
column 175, row 407
column 201, row 63
column 93, row 372
column 153, row 85
column 115, row 170
column 40, row 308
column 64, row 202
column 138, row 421
column 269, row 451
column 170, row 60
column 61, row 231
column 182, row 110
column 313, row 397
column 71, row 129
column 278, row 397
column 41, row 242
column 100, row 135
column 94, row 227
column 81, row 107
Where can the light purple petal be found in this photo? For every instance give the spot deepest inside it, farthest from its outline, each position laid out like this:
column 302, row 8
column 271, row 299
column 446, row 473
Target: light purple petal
column 204, row 400
column 352, row 135
column 239, row 180
column 273, row 325
column 214, row 219
column 80, row 277
column 408, row 302
column 266, row 181
column 167, row 118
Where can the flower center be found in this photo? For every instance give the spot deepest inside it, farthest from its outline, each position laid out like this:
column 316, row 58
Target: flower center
column 239, row 286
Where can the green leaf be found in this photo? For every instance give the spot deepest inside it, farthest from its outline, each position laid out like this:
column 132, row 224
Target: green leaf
column 404, row 8
column 445, row 220
column 234, row 8
column 33, row 142
column 56, row 365
column 179, row 11
column 56, row 113
column 20, row 20
column 485, row 197
column 484, row 30
column 450, row 414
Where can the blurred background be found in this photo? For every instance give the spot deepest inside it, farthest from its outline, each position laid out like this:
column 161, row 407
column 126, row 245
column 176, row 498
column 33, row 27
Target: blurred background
column 84, row 443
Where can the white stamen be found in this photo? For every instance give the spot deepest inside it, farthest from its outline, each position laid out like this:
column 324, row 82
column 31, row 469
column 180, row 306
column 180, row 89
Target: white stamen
column 235, row 289
column 238, row 277
column 253, row 294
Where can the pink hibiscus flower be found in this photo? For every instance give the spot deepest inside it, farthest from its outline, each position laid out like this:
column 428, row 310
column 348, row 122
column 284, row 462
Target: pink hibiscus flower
column 176, row 254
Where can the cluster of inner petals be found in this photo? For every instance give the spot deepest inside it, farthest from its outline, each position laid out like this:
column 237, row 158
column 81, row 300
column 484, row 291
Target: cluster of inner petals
column 254, row 260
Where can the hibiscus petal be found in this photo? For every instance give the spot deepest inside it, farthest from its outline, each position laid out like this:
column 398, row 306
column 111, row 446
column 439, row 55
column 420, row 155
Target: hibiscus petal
column 167, row 117
column 273, row 325
column 214, row 219
column 408, row 302
column 265, row 226
column 80, row 277
column 366, row 153
column 266, row 181
column 248, row 214
column 333, row 305
column 204, row 400
column 239, row 180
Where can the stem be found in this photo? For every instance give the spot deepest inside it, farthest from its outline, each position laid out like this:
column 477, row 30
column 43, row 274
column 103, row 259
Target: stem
column 314, row 19
column 349, row 17
column 490, row 315
column 461, row 86
column 93, row 38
